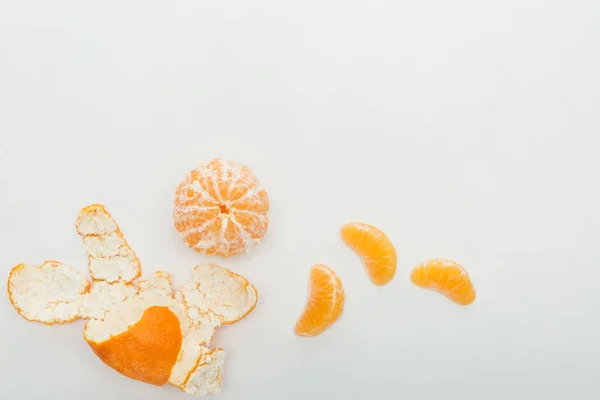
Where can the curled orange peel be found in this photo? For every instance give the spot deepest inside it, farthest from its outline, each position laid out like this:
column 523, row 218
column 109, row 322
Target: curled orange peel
column 144, row 329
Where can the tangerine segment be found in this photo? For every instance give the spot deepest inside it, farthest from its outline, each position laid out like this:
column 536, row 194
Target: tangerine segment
column 52, row 293
column 221, row 209
column 147, row 351
column 325, row 302
column 446, row 277
column 374, row 248
column 110, row 257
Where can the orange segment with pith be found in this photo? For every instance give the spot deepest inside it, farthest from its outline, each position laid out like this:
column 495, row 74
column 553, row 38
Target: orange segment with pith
column 374, row 248
column 446, row 277
column 325, row 302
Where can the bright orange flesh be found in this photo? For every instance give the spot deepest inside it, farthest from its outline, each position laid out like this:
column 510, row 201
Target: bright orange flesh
column 220, row 209
column 446, row 277
column 325, row 302
column 374, row 248
column 148, row 350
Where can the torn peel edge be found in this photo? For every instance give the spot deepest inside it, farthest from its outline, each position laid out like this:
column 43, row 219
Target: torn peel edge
column 99, row 210
column 222, row 319
column 211, row 269
column 206, row 358
column 136, row 352
column 201, row 361
column 55, row 321
column 247, row 286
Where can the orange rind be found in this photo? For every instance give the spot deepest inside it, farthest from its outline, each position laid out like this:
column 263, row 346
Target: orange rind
column 221, row 209
column 446, row 277
column 214, row 296
column 147, row 350
column 205, row 376
column 375, row 249
column 52, row 293
column 219, row 292
column 325, row 302
column 110, row 257
column 144, row 329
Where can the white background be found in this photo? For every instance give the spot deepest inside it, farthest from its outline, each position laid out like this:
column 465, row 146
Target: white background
column 464, row 129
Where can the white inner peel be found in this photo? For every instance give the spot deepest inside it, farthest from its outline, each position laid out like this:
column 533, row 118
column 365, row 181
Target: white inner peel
column 50, row 293
column 206, row 376
column 114, row 311
column 110, row 257
column 56, row 293
column 214, row 290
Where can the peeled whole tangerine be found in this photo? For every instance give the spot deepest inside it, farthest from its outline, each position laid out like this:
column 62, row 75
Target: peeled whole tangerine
column 142, row 329
column 221, row 209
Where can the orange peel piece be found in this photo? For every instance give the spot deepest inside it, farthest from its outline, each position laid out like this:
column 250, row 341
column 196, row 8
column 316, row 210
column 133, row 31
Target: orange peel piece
column 104, row 297
column 205, row 378
column 374, row 248
column 110, row 257
column 51, row 293
column 212, row 297
column 146, row 351
column 215, row 290
column 446, row 277
column 114, row 308
column 141, row 328
column 325, row 302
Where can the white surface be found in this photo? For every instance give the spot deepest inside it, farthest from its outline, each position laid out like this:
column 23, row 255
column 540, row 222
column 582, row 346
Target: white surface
column 463, row 129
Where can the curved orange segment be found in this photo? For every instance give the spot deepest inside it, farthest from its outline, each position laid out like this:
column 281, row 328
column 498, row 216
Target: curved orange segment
column 446, row 277
column 148, row 350
column 325, row 302
column 374, row 248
